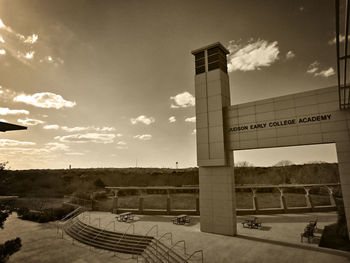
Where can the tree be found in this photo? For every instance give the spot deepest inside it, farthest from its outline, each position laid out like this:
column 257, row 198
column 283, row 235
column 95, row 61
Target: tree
column 10, row 246
column 99, row 183
column 243, row 164
column 284, row 163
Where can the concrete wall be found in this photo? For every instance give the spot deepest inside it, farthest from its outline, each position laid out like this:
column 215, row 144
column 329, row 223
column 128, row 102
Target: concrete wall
column 311, row 117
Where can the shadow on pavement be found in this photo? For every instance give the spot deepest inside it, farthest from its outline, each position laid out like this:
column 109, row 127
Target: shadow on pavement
column 293, row 245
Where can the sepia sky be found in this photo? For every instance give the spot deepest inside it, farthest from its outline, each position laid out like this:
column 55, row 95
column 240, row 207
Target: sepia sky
column 111, row 83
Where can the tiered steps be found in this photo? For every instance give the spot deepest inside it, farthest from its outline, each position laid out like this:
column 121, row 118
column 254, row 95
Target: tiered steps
column 147, row 248
column 158, row 252
column 108, row 240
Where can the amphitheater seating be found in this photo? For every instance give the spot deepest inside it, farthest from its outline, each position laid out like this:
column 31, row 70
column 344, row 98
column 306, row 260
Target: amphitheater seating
column 147, row 248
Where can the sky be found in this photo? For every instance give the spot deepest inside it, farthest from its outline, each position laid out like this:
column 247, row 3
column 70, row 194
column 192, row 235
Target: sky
column 111, row 83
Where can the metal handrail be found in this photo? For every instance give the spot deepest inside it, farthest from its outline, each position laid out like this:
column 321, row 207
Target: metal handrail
column 71, row 213
column 157, row 240
column 144, row 237
column 133, row 231
column 198, row 251
column 69, row 221
column 85, row 227
column 171, row 248
column 104, row 230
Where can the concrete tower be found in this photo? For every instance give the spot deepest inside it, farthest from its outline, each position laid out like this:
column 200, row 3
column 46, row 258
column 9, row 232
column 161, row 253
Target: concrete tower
column 216, row 178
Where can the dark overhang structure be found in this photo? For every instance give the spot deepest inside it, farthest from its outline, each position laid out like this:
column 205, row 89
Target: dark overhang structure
column 4, row 126
column 342, row 9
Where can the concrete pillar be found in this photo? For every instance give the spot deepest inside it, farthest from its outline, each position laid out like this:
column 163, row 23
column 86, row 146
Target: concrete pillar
column 216, row 174
column 343, row 154
column 283, row 200
column 255, row 200
column 140, row 201
column 115, row 202
column 331, row 196
column 308, row 198
column 168, row 202
column 197, row 205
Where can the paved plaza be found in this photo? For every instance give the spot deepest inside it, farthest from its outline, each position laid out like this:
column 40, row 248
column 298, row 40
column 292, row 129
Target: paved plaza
column 277, row 241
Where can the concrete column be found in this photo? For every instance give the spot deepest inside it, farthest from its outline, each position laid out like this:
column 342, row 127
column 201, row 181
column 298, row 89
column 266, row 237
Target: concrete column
column 115, row 202
column 283, row 200
column 197, row 205
column 140, row 201
column 168, row 202
column 308, row 198
column 331, row 196
column 255, row 200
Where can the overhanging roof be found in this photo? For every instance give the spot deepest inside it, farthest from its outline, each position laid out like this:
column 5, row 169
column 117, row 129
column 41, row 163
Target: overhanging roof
column 4, row 126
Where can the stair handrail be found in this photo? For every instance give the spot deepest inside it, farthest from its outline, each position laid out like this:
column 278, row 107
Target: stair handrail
column 102, row 230
column 157, row 240
column 75, row 211
column 172, row 248
column 69, row 221
column 195, row 252
column 86, row 225
column 144, row 236
column 133, row 231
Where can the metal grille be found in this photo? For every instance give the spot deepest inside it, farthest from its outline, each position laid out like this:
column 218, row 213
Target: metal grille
column 342, row 9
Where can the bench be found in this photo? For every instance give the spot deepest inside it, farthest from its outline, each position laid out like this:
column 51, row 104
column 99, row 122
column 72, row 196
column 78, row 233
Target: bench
column 181, row 220
column 125, row 217
column 251, row 223
column 308, row 233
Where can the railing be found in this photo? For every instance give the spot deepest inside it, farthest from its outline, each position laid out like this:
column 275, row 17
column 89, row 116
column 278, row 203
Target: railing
column 86, row 226
column 98, row 234
column 72, row 214
column 157, row 240
column 70, row 220
column 196, row 252
column 171, row 249
column 120, row 239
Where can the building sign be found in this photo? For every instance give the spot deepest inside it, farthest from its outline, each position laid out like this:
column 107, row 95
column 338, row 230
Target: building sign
column 262, row 125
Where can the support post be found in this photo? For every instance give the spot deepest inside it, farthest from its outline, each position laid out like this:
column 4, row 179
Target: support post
column 255, row 200
column 331, row 196
column 168, row 202
column 283, row 199
column 308, row 198
column 140, row 201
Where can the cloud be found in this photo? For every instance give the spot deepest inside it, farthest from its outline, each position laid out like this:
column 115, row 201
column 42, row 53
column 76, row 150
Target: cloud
column 192, row 119
column 313, row 69
column 30, row 122
column 29, row 55
column 7, row 111
column 88, row 137
column 31, row 39
column 182, row 100
column 326, row 73
column 11, row 143
column 334, row 40
column 86, row 128
column 251, row 56
column 143, row 137
column 194, row 132
column 45, row 100
column 172, row 119
column 51, row 127
column 2, row 40
column 56, row 146
column 290, row 55
column 142, row 119
column 2, row 52
column 75, row 153
column 121, row 145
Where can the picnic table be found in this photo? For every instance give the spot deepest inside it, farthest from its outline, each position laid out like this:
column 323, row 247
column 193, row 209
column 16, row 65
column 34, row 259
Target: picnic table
column 125, row 217
column 309, row 231
column 181, row 220
column 252, row 222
